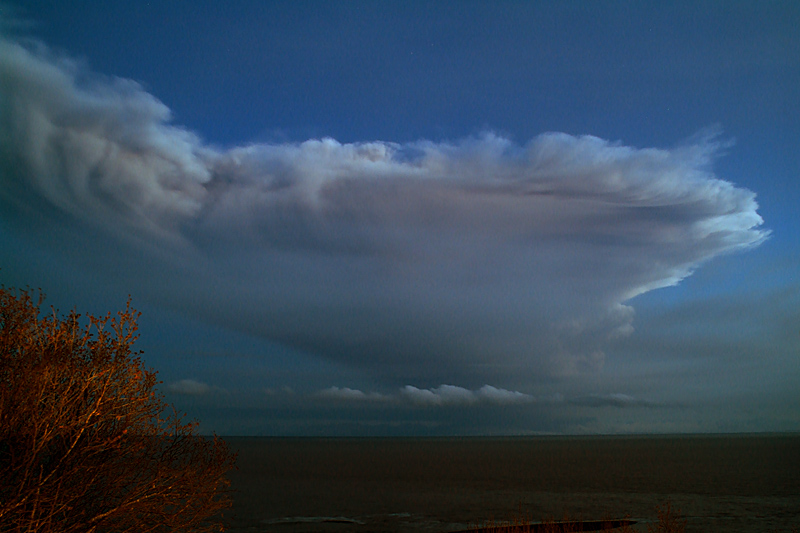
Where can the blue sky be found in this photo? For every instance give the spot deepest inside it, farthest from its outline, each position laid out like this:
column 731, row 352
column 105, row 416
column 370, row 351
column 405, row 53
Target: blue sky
column 420, row 218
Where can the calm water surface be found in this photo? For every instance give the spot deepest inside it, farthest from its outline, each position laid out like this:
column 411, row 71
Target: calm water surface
column 720, row 483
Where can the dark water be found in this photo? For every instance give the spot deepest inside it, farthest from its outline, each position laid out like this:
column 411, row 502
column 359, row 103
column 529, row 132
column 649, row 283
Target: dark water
column 720, row 483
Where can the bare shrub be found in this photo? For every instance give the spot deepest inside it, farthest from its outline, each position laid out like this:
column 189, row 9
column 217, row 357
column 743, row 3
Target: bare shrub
column 86, row 443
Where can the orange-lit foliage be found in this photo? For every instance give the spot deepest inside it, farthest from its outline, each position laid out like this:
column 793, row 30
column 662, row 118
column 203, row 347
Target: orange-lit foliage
column 86, row 443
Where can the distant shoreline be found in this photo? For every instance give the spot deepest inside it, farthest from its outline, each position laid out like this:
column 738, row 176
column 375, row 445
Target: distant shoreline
column 549, row 436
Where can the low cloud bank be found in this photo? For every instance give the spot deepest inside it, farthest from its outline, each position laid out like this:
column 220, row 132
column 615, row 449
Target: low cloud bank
column 453, row 395
column 348, row 394
column 482, row 256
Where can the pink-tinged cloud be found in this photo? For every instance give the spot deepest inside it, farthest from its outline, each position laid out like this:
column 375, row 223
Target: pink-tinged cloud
column 418, row 261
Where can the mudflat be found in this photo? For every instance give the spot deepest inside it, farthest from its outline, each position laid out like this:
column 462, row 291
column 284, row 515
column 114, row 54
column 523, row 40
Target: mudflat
column 726, row 484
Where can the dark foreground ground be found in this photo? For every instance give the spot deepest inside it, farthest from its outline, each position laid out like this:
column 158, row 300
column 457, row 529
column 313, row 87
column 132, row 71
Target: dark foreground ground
column 725, row 484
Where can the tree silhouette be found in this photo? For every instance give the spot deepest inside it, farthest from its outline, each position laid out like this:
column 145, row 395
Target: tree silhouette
column 86, row 442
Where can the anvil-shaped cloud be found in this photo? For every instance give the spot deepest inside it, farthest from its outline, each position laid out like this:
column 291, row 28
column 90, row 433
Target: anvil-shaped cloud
column 427, row 261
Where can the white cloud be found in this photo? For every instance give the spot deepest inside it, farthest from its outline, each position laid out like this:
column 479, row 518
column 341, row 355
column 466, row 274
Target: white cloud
column 442, row 395
column 502, row 396
column 422, row 260
column 189, row 387
column 345, row 393
column 452, row 395
column 101, row 151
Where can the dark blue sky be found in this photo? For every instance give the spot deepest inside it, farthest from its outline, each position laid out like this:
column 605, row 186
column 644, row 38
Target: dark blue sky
column 462, row 258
